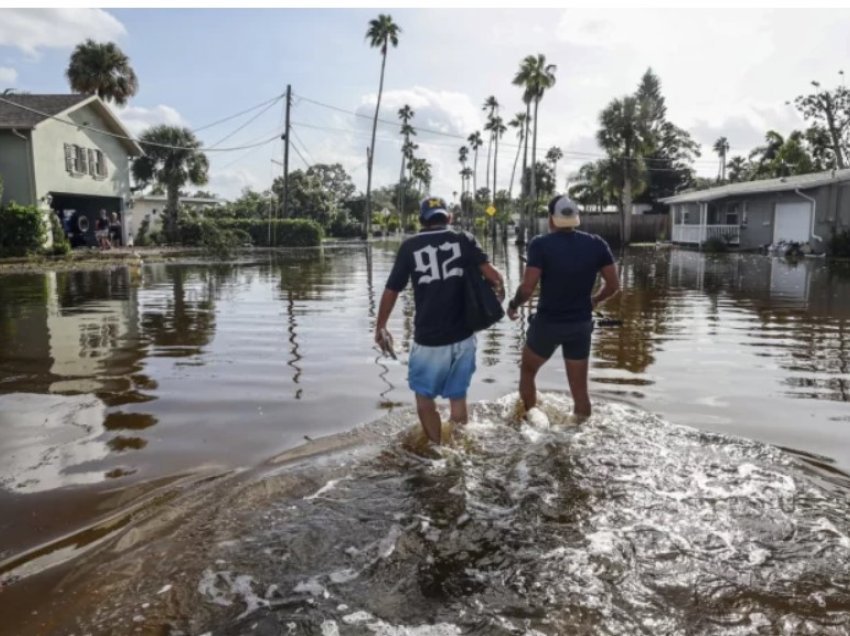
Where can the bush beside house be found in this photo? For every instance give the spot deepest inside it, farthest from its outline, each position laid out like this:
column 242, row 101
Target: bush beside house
column 839, row 244
column 23, row 230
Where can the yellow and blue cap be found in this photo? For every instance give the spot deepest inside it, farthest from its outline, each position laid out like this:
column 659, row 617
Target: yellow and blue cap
column 431, row 206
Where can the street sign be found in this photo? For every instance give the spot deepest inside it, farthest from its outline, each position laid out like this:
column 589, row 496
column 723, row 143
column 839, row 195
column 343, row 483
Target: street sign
column 490, row 210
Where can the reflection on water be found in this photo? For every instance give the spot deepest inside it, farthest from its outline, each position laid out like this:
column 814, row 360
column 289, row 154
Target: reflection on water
column 225, row 364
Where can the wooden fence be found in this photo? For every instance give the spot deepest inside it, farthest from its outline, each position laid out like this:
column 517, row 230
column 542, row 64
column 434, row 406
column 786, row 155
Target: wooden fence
column 646, row 228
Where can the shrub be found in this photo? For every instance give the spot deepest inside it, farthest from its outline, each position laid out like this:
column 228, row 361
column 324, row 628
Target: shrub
column 839, row 244
column 715, row 245
column 23, row 230
column 142, row 238
column 342, row 227
column 61, row 244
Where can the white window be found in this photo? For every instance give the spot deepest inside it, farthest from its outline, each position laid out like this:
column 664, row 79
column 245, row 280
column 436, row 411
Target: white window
column 90, row 159
column 101, row 170
column 733, row 211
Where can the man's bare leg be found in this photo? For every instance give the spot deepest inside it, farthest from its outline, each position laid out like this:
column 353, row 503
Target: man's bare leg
column 426, row 408
column 458, row 411
column 577, row 379
column 530, row 365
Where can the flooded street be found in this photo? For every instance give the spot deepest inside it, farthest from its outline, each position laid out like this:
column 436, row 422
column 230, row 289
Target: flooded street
column 219, row 448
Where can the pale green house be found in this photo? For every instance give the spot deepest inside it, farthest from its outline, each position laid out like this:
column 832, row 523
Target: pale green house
column 68, row 154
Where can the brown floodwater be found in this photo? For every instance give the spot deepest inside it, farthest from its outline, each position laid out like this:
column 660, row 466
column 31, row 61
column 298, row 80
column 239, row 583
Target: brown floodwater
column 128, row 396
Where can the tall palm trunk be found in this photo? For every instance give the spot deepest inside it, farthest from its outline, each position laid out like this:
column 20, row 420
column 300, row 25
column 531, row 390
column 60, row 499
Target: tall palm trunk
column 371, row 156
column 475, row 174
column 626, row 225
column 401, row 193
column 533, row 186
column 524, row 179
column 513, row 172
column 171, row 206
column 489, row 148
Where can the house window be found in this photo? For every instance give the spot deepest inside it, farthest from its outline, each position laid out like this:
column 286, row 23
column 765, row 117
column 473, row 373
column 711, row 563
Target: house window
column 79, row 161
column 732, row 213
column 100, row 170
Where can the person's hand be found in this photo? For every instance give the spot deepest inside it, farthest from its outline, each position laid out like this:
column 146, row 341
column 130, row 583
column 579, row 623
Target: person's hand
column 513, row 313
column 379, row 337
column 500, row 292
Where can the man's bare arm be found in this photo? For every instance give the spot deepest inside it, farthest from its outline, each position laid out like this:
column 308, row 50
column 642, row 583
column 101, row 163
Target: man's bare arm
column 388, row 300
column 494, row 277
column 610, row 285
column 525, row 290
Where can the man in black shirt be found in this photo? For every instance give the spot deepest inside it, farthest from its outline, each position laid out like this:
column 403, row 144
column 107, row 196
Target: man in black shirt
column 442, row 359
column 566, row 262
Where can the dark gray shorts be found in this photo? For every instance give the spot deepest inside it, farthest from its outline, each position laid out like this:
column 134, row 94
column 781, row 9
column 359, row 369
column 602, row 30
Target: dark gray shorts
column 573, row 337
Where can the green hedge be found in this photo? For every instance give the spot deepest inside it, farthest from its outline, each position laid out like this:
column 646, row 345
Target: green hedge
column 286, row 232
column 22, row 230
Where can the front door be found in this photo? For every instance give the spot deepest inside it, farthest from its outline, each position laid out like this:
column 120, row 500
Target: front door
column 792, row 222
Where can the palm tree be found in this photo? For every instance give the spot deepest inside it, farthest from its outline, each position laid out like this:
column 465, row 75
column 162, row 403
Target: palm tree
column 625, row 136
column 497, row 130
column 739, row 169
column 405, row 113
column 172, row 158
column 536, row 77
column 381, row 33
column 553, row 156
column 763, row 156
column 721, row 147
column 102, row 69
column 493, row 106
column 517, row 122
column 475, row 142
column 463, row 157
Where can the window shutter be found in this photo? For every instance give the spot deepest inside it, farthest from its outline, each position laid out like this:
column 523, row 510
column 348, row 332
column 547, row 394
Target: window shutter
column 84, row 168
column 101, row 164
column 69, row 158
column 90, row 157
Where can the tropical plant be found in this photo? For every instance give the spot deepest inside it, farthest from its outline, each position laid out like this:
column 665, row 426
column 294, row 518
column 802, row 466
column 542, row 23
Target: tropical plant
column 24, row 229
column 625, row 136
column 517, row 122
column 102, row 69
column 535, row 76
column 497, row 129
column 738, row 169
column 172, row 159
column 721, row 147
column 830, row 112
column 475, row 142
column 382, row 33
column 491, row 105
column 405, row 114
column 553, row 156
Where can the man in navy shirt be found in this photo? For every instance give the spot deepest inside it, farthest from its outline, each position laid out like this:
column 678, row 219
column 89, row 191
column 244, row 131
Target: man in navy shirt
column 566, row 263
column 442, row 359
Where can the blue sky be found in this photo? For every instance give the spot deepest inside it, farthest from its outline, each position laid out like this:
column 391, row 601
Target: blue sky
column 724, row 72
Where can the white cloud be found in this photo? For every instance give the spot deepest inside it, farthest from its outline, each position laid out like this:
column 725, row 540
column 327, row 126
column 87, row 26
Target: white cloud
column 32, row 29
column 230, row 183
column 138, row 118
column 8, row 75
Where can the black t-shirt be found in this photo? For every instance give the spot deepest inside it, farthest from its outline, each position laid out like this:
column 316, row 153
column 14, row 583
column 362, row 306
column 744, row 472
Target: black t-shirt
column 435, row 259
column 569, row 262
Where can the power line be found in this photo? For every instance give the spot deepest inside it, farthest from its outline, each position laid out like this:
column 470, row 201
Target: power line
column 125, row 137
column 303, row 145
column 247, row 110
column 243, row 126
column 298, row 152
column 461, row 137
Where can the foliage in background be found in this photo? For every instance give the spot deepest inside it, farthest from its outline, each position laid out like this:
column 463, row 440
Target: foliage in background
column 61, row 244
column 24, row 230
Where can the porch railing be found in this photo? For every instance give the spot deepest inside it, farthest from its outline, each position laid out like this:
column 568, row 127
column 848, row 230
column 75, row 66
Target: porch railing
column 700, row 234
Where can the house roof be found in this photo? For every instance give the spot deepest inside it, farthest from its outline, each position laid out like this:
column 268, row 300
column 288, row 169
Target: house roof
column 13, row 117
column 802, row 182
column 31, row 110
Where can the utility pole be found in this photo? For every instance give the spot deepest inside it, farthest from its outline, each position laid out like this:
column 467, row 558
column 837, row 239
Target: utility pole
column 286, row 153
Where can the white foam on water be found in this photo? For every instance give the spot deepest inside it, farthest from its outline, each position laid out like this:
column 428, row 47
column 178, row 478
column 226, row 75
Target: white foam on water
column 327, row 487
column 330, row 628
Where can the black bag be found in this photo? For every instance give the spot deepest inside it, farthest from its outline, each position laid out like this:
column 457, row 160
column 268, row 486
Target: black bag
column 482, row 308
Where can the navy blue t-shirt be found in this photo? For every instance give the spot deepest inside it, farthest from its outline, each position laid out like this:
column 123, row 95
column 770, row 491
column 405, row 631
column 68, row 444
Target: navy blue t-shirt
column 569, row 262
column 435, row 259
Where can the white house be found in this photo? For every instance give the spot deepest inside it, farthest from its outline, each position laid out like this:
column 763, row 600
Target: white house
column 68, row 154
column 152, row 208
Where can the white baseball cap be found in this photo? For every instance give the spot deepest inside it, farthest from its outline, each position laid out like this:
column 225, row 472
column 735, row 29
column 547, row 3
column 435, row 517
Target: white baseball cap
column 564, row 212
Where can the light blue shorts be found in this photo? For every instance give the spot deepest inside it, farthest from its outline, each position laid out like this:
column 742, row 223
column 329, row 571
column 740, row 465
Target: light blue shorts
column 442, row 371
